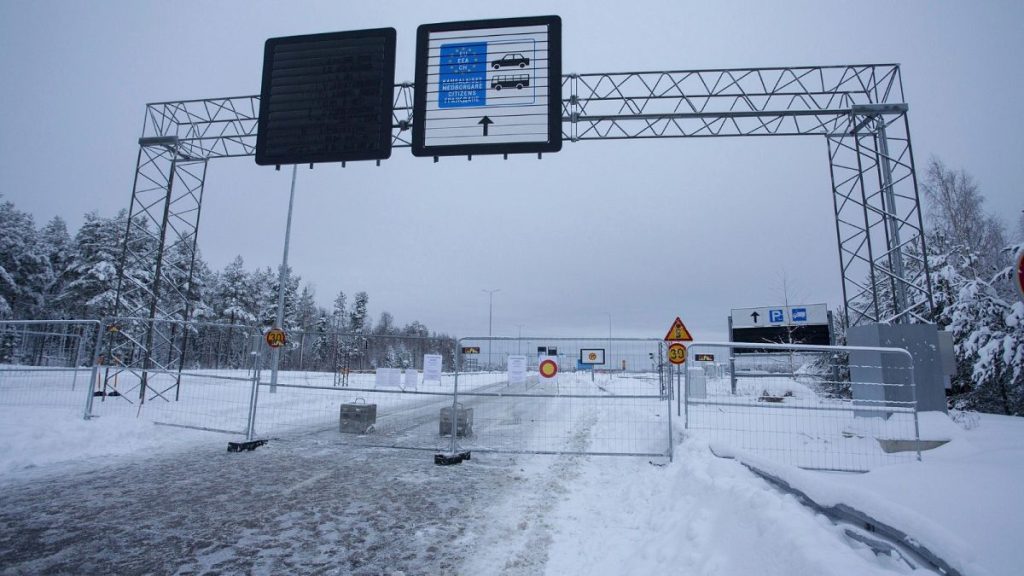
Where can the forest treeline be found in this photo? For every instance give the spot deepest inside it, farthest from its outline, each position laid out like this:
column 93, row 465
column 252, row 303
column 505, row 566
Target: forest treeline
column 46, row 273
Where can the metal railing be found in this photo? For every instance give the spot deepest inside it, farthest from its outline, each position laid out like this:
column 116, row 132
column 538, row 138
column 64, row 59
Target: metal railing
column 48, row 363
column 822, row 407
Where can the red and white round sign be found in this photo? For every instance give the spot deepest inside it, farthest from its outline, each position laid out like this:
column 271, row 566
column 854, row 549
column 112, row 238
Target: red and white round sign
column 548, row 368
column 1019, row 277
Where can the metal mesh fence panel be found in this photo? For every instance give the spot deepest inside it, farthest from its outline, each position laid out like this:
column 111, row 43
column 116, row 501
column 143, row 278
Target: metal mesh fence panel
column 364, row 389
column 832, row 408
column 194, row 375
column 562, row 395
column 46, row 363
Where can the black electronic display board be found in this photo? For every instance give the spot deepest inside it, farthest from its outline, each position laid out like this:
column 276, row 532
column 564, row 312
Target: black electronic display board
column 814, row 334
column 327, row 98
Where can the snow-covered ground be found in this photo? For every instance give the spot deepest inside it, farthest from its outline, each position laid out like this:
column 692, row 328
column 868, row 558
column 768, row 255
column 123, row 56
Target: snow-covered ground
column 118, row 494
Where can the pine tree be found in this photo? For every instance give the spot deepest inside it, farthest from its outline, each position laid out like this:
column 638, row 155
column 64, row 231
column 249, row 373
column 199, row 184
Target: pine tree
column 233, row 298
column 55, row 244
column 91, row 286
column 358, row 319
column 339, row 316
column 24, row 269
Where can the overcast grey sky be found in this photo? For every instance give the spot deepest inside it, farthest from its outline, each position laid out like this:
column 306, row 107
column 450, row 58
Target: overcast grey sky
column 634, row 231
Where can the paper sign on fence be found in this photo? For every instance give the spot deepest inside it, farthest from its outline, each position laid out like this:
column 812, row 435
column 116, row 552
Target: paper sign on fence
column 516, row 369
column 431, row 367
column 411, row 379
column 388, row 378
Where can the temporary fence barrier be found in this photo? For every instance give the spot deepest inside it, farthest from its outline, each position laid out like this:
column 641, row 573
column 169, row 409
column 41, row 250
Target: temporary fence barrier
column 819, row 407
column 326, row 377
column 822, row 407
column 47, row 362
column 563, row 396
column 192, row 374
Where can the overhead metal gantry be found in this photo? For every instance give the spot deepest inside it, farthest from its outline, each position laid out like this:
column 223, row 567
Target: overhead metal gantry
column 860, row 110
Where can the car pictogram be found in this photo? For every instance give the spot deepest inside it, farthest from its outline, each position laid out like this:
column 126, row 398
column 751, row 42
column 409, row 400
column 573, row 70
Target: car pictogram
column 511, row 59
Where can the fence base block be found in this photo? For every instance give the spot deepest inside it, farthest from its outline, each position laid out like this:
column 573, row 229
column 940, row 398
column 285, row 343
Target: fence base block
column 245, row 446
column 445, row 460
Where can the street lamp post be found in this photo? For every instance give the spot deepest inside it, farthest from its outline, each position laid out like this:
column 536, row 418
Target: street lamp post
column 608, row 355
column 490, row 321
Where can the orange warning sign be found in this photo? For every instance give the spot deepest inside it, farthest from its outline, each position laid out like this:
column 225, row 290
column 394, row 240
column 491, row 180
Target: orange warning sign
column 678, row 332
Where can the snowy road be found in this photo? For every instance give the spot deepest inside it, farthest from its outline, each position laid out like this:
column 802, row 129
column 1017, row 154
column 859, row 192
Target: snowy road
column 313, row 506
column 307, row 506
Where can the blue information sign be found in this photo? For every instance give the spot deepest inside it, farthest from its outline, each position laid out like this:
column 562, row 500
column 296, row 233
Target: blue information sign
column 775, row 315
column 799, row 314
column 463, row 75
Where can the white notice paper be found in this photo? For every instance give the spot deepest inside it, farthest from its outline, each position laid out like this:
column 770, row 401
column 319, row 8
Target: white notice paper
column 388, row 378
column 516, row 369
column 411, row 379
column 431, row 367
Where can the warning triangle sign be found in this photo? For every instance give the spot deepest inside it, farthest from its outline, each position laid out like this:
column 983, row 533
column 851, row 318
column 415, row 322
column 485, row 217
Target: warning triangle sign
column 678, row 332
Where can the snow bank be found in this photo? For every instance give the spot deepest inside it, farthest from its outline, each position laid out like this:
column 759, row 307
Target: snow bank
column 699, row 515
column 40, row 439
column 964, row 501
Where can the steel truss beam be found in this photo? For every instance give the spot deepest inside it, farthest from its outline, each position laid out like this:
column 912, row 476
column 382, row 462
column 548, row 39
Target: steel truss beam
column 859, row 109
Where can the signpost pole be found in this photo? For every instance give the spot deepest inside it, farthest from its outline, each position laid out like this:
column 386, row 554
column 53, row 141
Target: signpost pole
column 283, row 280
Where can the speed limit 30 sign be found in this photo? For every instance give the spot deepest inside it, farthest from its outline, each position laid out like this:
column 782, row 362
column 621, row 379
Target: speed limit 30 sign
column 275, row 338
column 677, row 353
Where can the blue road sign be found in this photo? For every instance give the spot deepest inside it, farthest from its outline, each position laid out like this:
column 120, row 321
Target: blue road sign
column 463, row 75
column 583, row 366
column 775, row 315
column 799, row 314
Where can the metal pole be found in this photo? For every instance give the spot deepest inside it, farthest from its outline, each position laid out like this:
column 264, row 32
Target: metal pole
column 732, row 361
column 455, row 395
column 608, row 354
column 255, row 392
column 686, row 396
column 94, row 373
column 490, row 318
column 78, row 360
column 283, row 279
column 895, row 246
column 671, row 448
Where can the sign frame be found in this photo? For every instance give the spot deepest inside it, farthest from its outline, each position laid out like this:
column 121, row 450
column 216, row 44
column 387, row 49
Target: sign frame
column 554, row 88
column 585, row 354
column 382, row 145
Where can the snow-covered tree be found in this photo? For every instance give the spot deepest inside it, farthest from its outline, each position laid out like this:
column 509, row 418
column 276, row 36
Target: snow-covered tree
column 25, row 271
column 966, row 258
column 988, row 332
column 339, row 315
column 55, row 244
column 233, row 294
column 385, row 325
column 91, row 287
column 306, row 310
column 358, row 321
column 958, row 223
